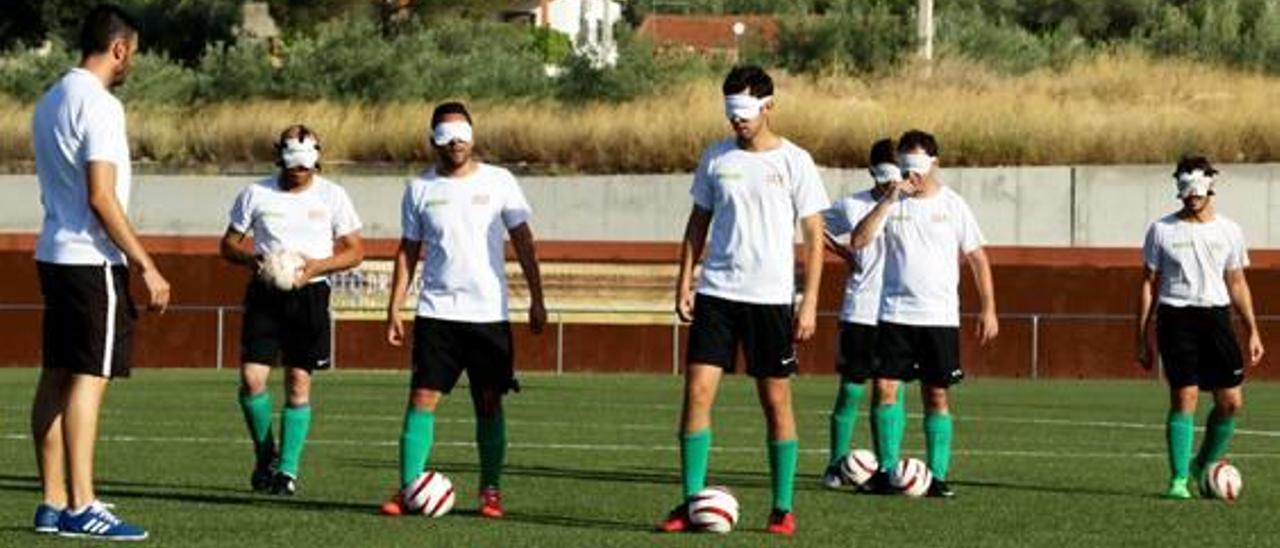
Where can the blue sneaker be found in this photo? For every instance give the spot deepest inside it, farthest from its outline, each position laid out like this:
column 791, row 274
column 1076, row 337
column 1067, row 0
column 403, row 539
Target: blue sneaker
column 47, row 519
column 98, row 522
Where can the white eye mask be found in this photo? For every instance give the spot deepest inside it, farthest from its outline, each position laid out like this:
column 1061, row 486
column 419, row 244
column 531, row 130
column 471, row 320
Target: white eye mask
column 303, row 153
column 744, row 106
column 886, row 173
column 1194, row 183
column 448, row 132
column 919, row 163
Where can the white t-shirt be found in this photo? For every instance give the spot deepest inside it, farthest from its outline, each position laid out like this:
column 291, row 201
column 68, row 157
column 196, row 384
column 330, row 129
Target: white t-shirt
column 1193, row 259
column 76, row 122
column 306, row 222
column 755, row 199
column 462, row 223
column 924, row 241
column 862, row 290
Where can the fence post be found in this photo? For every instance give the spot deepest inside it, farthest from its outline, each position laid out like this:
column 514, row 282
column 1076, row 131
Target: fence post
column 675, row 345
column 221, row 339
column 559, row 343
column 1035, row 346
column 333, row 341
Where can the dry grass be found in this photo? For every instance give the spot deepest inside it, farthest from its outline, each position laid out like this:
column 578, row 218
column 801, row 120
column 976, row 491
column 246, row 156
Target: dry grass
column 1119, row 108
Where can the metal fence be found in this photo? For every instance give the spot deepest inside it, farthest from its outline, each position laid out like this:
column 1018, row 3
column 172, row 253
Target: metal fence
column 1039, row 328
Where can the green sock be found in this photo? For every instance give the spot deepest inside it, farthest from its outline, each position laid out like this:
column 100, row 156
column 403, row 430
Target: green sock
column 294, row 424
column 843, row 418
column 695, row 451
column 491, row 440
column 257, row 416
column 416, row 436
column 890, row 427
column 1180, row 433
column 937, row 437
column 1217, row 433
column 782, row 466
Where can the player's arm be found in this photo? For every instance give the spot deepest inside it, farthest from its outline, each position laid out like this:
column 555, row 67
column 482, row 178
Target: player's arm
column 527, row 253
column 102, row 200
column 695, row 238
column 405, row 263
column 870, row 225
column 1146, row 313
column 232, row 249
column 835, row 246
column 807, row 321
column 988, row 323
column 348, row 252
column 1242, row 300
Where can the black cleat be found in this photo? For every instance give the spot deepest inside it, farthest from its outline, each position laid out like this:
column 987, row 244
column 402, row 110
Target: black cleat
column 283, row 484
column 880, row 484
column 262, row 477
column 939, row 489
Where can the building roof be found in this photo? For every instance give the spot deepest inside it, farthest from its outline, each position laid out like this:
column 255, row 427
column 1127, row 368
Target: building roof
column 708, row 32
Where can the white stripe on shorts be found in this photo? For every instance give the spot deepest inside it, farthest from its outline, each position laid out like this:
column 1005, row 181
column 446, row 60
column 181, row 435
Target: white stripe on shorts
column 109, row 346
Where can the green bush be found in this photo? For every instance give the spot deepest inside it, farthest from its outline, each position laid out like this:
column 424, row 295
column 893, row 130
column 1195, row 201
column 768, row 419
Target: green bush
column 25, row 75
column 862, row 36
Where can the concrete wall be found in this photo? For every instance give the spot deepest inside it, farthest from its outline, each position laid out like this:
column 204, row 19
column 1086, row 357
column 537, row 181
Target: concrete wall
column 1028, row 206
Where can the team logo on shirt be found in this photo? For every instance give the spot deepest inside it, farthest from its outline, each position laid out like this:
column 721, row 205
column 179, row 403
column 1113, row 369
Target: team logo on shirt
column 480, row 199
column 774, row 179
column 435, row 203
column 939, row 217
column 317, row 215
column 729, row 175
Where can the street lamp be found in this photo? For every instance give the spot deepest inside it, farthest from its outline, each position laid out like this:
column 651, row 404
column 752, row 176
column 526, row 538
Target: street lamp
column 739, row 28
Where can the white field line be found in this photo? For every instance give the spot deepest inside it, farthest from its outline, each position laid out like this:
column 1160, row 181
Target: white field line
column 624, row 447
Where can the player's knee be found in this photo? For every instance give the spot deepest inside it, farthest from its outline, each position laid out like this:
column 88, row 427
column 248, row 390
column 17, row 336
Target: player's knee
column 298, row 386
column 935, row 399
column 424, row 400
column 1184, row 400
column 488, row 404
column 886, row 392
column 1227, row 405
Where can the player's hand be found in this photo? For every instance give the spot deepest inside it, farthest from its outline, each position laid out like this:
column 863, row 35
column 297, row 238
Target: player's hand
column 395, row 328
column 1144, row 354
column 537, row 317
column 157, row 290
column 684, row 305
column 1255, row 349
column 988, row 327
column 311, row 268
column 806, row 321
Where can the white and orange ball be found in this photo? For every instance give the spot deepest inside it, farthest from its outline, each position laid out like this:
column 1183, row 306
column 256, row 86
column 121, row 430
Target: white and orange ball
column 912, row 477
column 430, row 494
column 713, row 509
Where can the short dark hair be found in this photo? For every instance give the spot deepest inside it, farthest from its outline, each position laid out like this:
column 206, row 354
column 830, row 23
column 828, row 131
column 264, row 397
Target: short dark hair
column 104, row 24
column 1192, row 162
column 914, row 139
column 446, row 108
column 748, row 77
column 882, row 152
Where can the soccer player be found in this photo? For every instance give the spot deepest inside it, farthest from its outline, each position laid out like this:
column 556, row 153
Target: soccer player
column 297, row 211
column 926, row 228
column 749, row 191
column 856, row 351
column 85, row 244
column 1194, row 269
column 458, row 212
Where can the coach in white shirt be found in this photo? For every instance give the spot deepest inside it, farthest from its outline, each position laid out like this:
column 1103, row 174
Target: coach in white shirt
column 927, row 229
column 86, row 241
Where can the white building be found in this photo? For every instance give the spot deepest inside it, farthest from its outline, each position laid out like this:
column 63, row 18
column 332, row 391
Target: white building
column 589, row 23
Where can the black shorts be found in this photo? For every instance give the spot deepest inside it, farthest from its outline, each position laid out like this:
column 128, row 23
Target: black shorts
column 289, row 328
column 443, row 349
column 1198, row 347
column 930, row 354
column 88, row 318
column 856, row 358
column 765, row 331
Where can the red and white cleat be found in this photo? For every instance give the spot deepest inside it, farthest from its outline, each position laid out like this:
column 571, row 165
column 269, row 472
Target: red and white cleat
column 394, row 506
column 677, row 521
column 781, row 523
column 491, row 503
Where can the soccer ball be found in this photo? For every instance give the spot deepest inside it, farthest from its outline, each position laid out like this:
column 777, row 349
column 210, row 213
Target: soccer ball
column 431, row 494
column 912, row 477
column 280, row 269
column 858, row 466
column 713, row 509
column 1222, row 481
